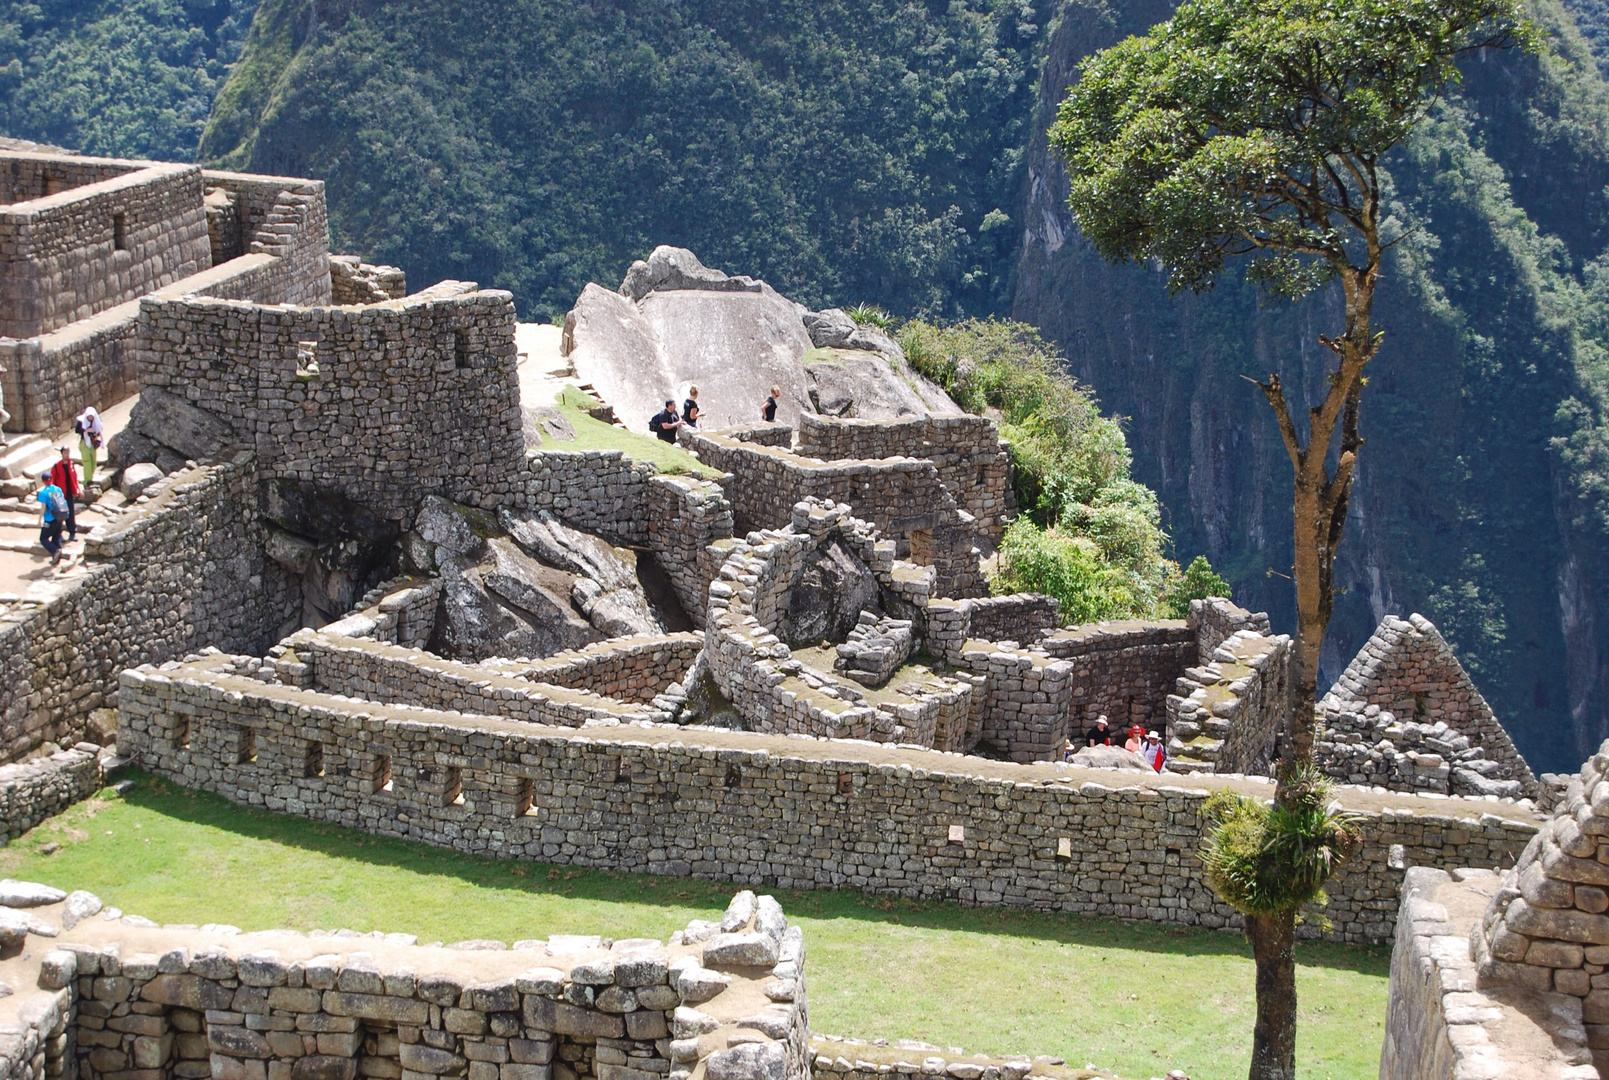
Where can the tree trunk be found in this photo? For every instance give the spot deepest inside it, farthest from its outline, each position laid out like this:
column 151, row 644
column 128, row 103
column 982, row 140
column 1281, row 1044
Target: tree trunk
column 1273, row 1045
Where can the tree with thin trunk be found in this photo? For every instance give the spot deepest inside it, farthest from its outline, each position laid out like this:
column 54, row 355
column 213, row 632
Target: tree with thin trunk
column 1257, row 128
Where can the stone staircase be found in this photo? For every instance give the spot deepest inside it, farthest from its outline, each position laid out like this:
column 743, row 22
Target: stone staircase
column 25, row 456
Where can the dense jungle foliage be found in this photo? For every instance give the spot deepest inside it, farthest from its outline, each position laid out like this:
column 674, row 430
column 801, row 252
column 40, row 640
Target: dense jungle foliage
column 1088, row 534
column 124, row 78
column 868, row 149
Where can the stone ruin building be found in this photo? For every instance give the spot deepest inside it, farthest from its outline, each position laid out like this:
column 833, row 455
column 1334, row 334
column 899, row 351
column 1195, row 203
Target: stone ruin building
column 359, row 576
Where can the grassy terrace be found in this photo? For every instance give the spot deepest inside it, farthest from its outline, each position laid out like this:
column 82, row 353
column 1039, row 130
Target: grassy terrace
column 1137, row 999
column 593, row 434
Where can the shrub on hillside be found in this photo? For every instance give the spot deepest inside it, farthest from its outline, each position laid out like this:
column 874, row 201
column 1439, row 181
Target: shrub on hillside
column 1089, row 534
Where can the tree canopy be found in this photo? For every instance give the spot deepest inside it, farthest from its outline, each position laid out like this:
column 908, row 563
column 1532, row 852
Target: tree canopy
column 1257, row 127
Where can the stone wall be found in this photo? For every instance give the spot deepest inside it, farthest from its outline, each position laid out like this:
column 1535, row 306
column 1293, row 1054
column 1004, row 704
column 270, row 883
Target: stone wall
column 31, row 791
column 25, row 176
column 1122, row 670
column 1226, row 714
column 1217, row 620
column 76, row 253
column 121, row 998
column 1407, row 669
column 1442, row 1024
column 904, row 497
column 179, row 572
column 285, row 217
column 367, row 402
column 685, row 517
column 738, row 806
column 972, row 462
column 628, row 669
column 772, row 689
column 376, row 671
column 600, row 491
column 399, row 612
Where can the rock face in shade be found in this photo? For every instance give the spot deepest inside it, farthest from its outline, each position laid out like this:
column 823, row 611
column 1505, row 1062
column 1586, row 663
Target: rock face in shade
column 676, row 322
column 518, row 584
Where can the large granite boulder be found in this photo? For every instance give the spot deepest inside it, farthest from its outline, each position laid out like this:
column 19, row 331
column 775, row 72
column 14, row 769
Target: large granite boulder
column 827, row 598
column 862, row 385
column 187, row 429
column 675, row 322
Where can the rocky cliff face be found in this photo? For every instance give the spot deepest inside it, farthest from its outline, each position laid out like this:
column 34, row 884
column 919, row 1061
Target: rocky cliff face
column 1465, row 507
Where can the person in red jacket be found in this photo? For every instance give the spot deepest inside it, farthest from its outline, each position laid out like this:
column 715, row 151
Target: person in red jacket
column 65, row 476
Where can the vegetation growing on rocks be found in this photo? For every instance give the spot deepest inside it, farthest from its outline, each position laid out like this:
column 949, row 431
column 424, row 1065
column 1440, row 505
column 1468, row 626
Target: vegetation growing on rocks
column 1089, row 535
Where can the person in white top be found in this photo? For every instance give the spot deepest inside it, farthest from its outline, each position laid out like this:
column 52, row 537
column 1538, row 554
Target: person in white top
column 91, row 434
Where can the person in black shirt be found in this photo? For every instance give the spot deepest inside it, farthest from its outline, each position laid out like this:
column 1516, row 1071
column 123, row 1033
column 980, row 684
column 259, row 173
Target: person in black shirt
column 690, row 406
column 665, row 422
column 1097, row 735
column 768, row 411
column 690, row 415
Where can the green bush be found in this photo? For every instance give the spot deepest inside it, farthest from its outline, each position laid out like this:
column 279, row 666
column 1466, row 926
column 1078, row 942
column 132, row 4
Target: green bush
column 1089, row 534
column 1263, row 859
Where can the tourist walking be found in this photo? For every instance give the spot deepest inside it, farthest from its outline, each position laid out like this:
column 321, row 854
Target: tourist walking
column 64, row 476
column 1155, row 754
column 666, row 422
column 768, row 411
column 1097, row 735
column 91, row 434
column 52, row 516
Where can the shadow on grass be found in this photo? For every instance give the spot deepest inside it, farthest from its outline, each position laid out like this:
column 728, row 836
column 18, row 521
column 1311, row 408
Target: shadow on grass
column 200, row 808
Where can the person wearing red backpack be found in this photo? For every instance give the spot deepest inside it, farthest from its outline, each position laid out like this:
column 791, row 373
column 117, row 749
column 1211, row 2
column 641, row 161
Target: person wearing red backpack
column 64, row 476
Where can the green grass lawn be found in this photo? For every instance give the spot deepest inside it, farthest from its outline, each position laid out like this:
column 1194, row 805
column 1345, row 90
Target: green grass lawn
column 593, row 434
column 1135, row 998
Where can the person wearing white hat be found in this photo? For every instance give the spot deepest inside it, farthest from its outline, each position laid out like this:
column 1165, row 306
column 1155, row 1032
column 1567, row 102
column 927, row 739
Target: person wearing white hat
column 1155, row 754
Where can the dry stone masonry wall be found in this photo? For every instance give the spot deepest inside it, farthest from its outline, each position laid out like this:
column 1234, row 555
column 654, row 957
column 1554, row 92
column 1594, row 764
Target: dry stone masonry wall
column 1226, row 712
column 1443, row 1022
column 117, row 997
column 972, row 462
column 31, row 791
column 802, row 813
column 165, row 580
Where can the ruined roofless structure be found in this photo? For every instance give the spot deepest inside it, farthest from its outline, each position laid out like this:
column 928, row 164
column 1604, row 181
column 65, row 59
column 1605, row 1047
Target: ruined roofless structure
column 367, row 579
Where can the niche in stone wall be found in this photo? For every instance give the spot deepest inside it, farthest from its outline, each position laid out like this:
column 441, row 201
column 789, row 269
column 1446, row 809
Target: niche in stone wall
column 382, row 773
column 307, row 359
column 921, row 541
column 461, row 357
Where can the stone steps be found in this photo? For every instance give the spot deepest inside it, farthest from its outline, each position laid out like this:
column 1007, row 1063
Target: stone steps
column 26, row 456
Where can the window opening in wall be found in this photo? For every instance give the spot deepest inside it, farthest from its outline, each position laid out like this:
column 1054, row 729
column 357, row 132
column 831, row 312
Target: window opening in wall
column 247, row 748
column 453, row 791
column 734, row 776
column 382, row 772
column 1419, row 697
column 181, row 733
column 314, row 765
column 846, row 783
column 53, row 184
column 307, row 359
column 461, row 349
column 525, row 801
column 623, row 771
column 119, row 232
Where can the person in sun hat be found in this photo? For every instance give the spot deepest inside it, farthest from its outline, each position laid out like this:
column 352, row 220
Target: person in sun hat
column 1155, row 754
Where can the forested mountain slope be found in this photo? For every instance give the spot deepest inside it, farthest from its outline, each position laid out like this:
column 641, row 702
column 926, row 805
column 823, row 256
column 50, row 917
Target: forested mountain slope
column 124, row 78
column 1481, row 498
column 893, row 152
column 866, row 149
